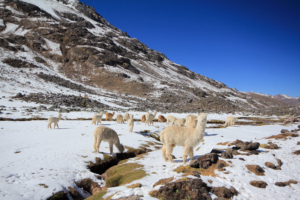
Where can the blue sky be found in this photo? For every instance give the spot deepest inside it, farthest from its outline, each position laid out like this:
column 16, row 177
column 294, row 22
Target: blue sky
column 246, row 44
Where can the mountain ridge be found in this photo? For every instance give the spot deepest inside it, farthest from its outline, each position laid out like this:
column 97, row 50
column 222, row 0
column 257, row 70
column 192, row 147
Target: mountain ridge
column 60, row 45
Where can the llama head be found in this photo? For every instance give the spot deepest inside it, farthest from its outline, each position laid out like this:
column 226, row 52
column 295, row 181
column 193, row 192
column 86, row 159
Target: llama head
column 202, row 117
column 121, row 148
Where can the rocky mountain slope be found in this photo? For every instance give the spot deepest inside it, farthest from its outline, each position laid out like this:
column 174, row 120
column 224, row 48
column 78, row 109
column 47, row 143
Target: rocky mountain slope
column 51, row 48
column 293, row 101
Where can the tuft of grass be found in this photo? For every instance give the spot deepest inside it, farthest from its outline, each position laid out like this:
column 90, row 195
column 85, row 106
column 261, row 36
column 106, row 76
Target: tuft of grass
column 18, row 152
column 124, row 173
column 223, row 143
column 137, row 185
column 98, row 196
column 43, row 185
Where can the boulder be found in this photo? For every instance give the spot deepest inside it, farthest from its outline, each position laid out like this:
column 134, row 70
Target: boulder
column 205, row 161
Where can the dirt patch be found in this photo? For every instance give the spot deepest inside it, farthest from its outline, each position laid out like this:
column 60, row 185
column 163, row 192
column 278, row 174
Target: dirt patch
column 223, row 143
column 43, row 185
column 62, row 195
column 256, row 169
column 89, row 185
column 163, row 181
column 259, row 184
column 190, row 189
column 287, row 183
column 273, row 166
column 283, row 136
column 297, row 152
column 210, row 171
column 270, row 145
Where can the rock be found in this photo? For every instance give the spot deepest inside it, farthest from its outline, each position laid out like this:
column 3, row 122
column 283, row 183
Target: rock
column 223, row 192
column 217, row 151
column 284, row 131
column 248, row 146
column 242, row 159
column 227, row 154
column 205, row 161
column 221, row 165
column 193, row 189
column 259, row 184
column 256, row 169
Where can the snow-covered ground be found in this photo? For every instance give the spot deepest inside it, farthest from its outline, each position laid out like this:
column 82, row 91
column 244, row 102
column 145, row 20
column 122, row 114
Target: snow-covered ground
column 32, row 155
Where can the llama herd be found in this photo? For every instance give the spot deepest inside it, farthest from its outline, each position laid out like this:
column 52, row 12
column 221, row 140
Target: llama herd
column 187, row 132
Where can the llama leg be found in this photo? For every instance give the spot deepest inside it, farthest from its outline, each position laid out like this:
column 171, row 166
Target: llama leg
column 95, row 144
column 186, row 151
column 110, row 147
column 49, row 125
column 163, row 151
column 169, row 150
column 191, row 154
column 98, row 144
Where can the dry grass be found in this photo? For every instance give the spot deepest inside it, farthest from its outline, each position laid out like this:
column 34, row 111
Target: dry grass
column 163, row 181
column 204, row 172
column 98, row 196
column 283, row 136
column 137, row 185
column 223, row 143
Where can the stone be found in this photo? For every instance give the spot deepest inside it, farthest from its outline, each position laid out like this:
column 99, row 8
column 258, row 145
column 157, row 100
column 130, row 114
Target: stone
column 284, row 131
column 227, row 154
column 205, row 161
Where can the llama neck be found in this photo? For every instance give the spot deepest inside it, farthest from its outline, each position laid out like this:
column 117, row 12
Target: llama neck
column 154, row 114
column 200, row 128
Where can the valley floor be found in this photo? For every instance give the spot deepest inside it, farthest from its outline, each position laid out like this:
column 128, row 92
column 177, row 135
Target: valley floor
column 37, row 162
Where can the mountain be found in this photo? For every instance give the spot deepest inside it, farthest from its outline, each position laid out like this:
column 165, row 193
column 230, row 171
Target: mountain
column 52, row 51
column 293, row 101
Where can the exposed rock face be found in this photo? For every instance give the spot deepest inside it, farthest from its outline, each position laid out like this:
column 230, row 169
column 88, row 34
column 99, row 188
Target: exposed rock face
column 205, row 161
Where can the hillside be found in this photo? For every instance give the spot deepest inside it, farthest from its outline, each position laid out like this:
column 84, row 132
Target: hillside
column 58, row 49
